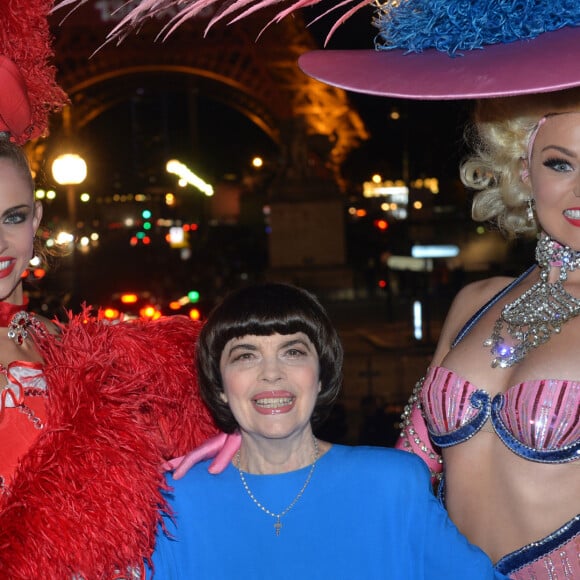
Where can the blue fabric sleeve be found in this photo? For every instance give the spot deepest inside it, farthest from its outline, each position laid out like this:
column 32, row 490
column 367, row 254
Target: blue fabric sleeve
column 166, row 567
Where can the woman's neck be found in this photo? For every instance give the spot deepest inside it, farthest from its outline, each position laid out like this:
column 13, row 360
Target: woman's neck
column 261, row 455
column 9, row 308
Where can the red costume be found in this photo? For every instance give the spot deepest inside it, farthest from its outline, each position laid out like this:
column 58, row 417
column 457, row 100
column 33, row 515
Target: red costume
column 84, row 499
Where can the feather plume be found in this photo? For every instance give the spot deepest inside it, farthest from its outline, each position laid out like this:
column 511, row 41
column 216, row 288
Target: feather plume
column 449, row 26
column 226, row 10
column 122, row 398
column 26, row 40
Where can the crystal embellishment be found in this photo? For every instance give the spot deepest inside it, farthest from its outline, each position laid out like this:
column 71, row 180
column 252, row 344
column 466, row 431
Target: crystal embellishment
column 533, row 317
column 20, row 325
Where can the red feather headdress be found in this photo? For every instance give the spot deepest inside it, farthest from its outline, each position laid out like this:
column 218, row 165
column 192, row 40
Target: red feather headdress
column 28, row 88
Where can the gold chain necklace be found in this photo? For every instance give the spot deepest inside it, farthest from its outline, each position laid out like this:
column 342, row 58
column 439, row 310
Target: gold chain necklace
column 278, row 516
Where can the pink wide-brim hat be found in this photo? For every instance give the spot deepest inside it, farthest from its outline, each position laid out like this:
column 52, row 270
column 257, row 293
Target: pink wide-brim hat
column 547, row 63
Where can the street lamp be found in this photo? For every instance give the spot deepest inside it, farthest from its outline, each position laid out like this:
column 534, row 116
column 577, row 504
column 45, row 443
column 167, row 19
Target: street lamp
column 70, row 169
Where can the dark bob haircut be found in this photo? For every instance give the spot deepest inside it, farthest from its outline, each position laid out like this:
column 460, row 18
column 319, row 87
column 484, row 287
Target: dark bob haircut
column 263, row 310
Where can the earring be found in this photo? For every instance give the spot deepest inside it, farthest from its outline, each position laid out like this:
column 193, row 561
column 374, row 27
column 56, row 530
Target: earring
column 530, row 211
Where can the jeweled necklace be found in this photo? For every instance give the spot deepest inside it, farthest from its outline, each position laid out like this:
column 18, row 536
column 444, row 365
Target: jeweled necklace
column 278, row 516
column 540, row 311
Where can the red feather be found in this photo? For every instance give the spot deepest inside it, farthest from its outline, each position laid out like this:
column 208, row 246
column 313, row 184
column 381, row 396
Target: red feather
column 85, row 499
column 26, row 40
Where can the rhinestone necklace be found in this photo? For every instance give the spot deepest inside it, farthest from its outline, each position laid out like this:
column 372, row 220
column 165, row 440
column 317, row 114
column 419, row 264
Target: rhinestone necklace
column 540, row 311
column 278, row 516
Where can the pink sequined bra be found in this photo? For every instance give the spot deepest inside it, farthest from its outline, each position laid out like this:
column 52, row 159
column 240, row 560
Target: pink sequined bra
column 538, row 420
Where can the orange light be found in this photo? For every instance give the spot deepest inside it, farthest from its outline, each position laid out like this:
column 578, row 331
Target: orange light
column 39, row 273
column 149, row 313
column 25, row 274
column 129, row 298
column 134, row 241
column 361, row 212
column 185, row 227
column 111, row 313
column 194, row 314
column 381, row 224
column 174, row 305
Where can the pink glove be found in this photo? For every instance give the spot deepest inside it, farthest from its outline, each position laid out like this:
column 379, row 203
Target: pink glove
column 222, row 448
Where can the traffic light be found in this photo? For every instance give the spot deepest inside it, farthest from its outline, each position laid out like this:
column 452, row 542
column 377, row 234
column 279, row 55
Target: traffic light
column 146, row 215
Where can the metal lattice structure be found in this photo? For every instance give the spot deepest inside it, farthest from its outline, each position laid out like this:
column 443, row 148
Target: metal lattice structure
column 259, row 78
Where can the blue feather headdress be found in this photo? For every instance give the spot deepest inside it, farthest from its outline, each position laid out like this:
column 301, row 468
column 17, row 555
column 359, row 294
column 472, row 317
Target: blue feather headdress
column 455, row 26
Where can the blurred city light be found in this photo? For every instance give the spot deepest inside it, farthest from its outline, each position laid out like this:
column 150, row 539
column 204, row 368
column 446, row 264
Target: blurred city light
column 193, row 296
column 69, row 169
column 435, row 251
column 417, row 320
column 185, row 174
column 64, row 238
column 129, row 298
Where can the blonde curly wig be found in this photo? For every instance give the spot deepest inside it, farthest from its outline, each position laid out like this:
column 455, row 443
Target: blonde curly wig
column 498, row 137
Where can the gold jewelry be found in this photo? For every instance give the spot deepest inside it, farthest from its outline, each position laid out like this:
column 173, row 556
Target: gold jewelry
column 278, row 516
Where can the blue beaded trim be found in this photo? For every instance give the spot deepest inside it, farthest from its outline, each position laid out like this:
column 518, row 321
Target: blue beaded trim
column 564, row 455
column 478, row 400
column 491, row 408
column 537, row 550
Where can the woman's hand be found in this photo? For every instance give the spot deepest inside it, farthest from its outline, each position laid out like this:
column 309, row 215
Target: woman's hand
column 221, row 448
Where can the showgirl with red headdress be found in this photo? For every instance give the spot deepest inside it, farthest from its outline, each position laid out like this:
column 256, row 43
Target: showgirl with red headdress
column 88, row 410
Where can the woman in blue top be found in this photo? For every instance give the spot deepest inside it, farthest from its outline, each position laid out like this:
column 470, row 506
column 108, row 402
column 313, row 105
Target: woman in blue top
column 289, row 505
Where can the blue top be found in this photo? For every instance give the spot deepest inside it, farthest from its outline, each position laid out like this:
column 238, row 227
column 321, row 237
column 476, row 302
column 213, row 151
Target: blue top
column 367, row 513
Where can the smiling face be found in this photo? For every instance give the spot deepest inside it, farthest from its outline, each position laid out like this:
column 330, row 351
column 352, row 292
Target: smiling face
column 555, row 177
column 271, row 384
column 19, row 219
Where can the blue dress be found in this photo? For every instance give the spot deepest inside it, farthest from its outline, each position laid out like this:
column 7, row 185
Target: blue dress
column 367, row 513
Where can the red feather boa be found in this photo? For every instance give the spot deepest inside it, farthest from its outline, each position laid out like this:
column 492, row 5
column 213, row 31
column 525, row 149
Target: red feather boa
column 85, row 499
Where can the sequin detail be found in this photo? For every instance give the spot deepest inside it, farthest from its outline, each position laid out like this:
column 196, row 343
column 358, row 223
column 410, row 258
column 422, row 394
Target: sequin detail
column 538, row 420
column 555, row 557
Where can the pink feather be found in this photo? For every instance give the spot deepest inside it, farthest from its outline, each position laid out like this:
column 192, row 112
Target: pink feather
column 230, row 10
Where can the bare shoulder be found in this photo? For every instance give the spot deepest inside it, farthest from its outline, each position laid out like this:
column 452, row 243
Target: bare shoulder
column 465, row 304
